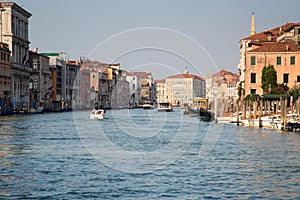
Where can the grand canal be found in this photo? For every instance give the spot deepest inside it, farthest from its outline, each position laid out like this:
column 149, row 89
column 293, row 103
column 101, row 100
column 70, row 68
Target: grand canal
column 144, row 154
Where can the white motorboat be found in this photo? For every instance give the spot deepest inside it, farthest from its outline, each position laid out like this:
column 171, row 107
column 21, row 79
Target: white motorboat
column 148, row 105
column 165, row 106
column 97, row 114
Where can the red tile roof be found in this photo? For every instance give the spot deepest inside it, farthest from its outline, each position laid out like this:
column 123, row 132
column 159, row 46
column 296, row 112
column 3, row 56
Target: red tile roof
column 138, row 74
column 277, row 47
column 160, row 81
column 275, row 32
column 186, row 76
column 224, row 72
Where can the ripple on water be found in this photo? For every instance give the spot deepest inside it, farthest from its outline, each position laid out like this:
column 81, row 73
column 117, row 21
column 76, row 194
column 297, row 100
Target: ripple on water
column 42, row 156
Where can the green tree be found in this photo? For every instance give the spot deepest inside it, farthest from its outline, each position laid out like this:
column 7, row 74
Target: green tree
column 268, row 77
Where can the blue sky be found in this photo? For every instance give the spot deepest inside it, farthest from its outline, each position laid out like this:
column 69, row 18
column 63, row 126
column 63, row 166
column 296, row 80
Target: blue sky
column 202, row 35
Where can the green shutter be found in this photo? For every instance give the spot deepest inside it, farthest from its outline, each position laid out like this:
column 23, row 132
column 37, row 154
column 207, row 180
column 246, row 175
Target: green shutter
column 253, row 60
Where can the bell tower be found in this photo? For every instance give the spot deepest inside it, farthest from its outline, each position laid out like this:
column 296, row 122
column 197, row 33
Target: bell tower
column 252, row 31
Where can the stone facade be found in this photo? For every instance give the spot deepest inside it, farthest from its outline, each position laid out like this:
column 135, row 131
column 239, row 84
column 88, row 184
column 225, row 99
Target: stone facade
column 14, row 32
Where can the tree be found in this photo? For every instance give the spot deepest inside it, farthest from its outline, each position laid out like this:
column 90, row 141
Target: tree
column 268, row 77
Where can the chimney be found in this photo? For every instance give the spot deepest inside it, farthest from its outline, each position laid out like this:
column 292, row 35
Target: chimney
column 35, row 50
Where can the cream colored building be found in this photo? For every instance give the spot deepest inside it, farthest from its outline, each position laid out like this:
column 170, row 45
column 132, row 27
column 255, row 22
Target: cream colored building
column 182, row 87
column 161, row 90
column 14, row 31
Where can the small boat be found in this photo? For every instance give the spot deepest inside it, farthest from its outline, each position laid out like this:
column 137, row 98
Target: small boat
column 97, row 114
column 148, row 105
column 206, row 115
column 165, row 106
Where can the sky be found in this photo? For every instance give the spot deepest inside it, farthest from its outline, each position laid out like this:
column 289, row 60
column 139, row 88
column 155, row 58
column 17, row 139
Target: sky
column 164, row 37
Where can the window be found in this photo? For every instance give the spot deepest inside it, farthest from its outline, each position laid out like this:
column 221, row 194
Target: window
column 298, row 79
column 285, row 78
column 292, row 60
column 252, row 91
column 253, row 60
column 253, row 78
column 278, row 60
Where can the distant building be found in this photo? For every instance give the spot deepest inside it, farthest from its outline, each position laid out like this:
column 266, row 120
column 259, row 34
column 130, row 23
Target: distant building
column 279, row 47
column 161, row 90
column 221, row 88
column 14, row 32
column 5, row 79
column 182, row 87
column 103, row 85
column 40, row 83
column 57, row 65
column 73, row 84
column 142, row 87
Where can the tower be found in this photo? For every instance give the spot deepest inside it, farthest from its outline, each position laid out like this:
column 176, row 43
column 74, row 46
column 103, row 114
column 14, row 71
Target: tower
column 252, row 31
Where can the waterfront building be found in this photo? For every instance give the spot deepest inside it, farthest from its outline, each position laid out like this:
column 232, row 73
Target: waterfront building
column 161, row 90
column 85, row 92
column 73, row 84
column 279, row 47
column 14, row 32
column 5, row 79
column 57, row 64
column 40, row 83
column 142, row 87
column 182, row 87
column 222, row 91
column 134, row 87
column 103, row 85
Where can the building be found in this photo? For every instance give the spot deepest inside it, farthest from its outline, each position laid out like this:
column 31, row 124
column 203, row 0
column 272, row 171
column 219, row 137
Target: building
column 161, row 90
column 14, row 32
column 57, row 64
column 182, row 87
column 142, row 87
column 134, row 87
column 222, row 90
column 278, row 47
column 73, row 84
column 40, row 83
column 5, row 79
column 85, row 91
column 103, row 85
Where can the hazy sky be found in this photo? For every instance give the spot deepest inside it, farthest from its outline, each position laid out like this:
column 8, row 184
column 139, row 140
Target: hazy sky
column 162, row 36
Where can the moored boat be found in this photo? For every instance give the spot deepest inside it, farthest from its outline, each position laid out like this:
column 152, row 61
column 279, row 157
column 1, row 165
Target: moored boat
column 206, row 115
column 165, row 106
column 148, row 105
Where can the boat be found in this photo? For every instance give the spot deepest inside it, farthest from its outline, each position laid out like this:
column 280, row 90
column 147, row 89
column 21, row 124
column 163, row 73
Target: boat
column 206, row 115
column 148, row 105
column 194, row 105
column 165, row 106
column 97, row 114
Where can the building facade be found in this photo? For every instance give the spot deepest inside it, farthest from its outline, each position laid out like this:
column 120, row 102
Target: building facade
column 222, row 90
column 182, row 87
column 14, row 32
column 5, row 79
column 40, row 83
column 57, row 65
column 73, row 84
column 161, row 90
column 279, row 47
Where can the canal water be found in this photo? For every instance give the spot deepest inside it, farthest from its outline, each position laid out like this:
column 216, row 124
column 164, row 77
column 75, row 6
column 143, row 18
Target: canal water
column 144, row 154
